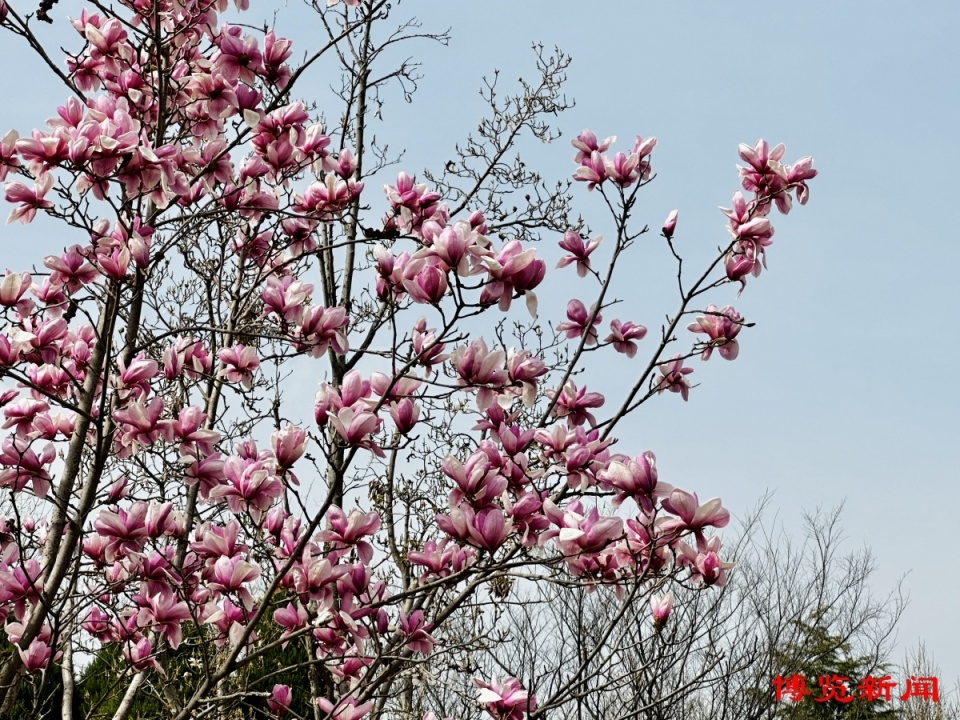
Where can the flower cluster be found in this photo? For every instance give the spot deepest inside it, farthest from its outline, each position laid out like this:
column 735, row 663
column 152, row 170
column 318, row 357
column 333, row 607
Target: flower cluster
column 144, row 369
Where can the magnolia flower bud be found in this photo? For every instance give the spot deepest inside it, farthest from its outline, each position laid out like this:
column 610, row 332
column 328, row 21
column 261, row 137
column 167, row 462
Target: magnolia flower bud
column 670, row 224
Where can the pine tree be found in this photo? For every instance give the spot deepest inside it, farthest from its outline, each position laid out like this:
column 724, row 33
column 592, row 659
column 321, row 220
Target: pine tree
column 830, row 681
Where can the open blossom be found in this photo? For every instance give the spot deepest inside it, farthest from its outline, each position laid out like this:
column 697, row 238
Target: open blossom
column 286, row 296
column 514, row 270
column 592, row 170
column 579, row 323
column 622, row 335
column 346, row 531
column 704, row 561
column 575, row 403
column 579, row 251
column 691, row 515
column 356, row 427
column 164, row 613
column 36, row 656
column 239, row 362
column 441, row 559
column 321, row 328
column 481, row 368
column 8, row 143
column 327, row 200
column 673, row 377
column 416, row 632
column 765, row 175
column 504, row 701
column 623, row 170
column 347, row 708
column 586, row 143
column 30, row 200
column 722, row 327
column 636, row 479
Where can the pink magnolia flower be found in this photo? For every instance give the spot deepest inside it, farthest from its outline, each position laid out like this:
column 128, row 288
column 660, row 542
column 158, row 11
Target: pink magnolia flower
column 635, row 479
column 586, row 143
column 704, row 561
column 673, row 377
column 288, row 445
column 21, row 464
column 575, row 403
column 441, row 559
column 487, row 529
column 190, row 429
column 425, row 283
column 579, row 251
column 514, row 270
column 13, row 286
column 275, row 53
column 623, row 170
column 405, row 413
column 459, row 246
column 135, row 378
column 36, row 656
column 416, row 632
column 642, row 147
column 660, row 607
column 231, row 574
column 429, row 351
column 355, row 427
column 345, row 531
column 577, row 533
column 670, row 224
column 414, row 204
column 327, row 200
column 23, row 414
column 478, row 482
column 592, row 170
column 291, row 618
column 722, row 327
column 239, row 363
column 579, row 322
column 622, row 335
column 30, row 200
column 165, row 614
column 279, row 700
column 248, row 485
column 320, row 329
column 347, row 708
column 764, row 174
column 481, row 368
column 239, row 57
column 140, row 655
column 524, row 369
column 125, row 529
column 140, row 426
column 691, row 515
column 286, row 296
column 8, row 144
column 797, row 175
column 506, row 701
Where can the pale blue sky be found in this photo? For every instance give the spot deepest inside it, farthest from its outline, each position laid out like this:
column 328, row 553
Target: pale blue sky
column 846, row 388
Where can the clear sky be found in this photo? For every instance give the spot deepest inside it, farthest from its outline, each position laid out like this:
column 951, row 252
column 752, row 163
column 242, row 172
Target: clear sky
column 846, row 389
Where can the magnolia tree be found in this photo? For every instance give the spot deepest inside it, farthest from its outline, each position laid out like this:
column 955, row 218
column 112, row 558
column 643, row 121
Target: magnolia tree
column 212, row 252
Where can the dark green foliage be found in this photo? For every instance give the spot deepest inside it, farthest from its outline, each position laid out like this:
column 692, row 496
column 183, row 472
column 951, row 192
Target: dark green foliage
column 819, row 654
column 103, row 682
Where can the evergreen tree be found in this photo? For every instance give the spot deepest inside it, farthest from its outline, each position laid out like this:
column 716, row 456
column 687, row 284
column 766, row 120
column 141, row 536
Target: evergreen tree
column 826, row 680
